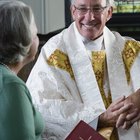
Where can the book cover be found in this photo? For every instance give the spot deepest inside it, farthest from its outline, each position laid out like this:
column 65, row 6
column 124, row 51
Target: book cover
column 84, row 131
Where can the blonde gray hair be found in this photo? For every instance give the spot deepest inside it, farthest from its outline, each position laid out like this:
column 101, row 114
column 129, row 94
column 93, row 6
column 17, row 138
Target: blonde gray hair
column 15, row 34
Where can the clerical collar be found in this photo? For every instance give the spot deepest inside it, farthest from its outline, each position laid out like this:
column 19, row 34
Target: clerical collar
column 95, row 45
column 91, row 44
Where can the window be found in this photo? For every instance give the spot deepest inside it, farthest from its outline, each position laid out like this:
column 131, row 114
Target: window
column 127, row 6
column 126, row 18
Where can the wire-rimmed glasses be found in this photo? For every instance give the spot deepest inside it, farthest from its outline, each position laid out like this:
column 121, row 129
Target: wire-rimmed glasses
column 94, row 10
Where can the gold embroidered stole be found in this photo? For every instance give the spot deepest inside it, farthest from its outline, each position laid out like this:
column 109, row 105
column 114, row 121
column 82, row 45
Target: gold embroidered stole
column 98, row 63
column 130, row 52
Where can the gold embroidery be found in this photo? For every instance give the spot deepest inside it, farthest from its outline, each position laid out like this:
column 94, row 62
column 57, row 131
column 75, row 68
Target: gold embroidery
column 98, row 63
column 109, row 98
column 130, row 52
column 109, row 133
column 60, row 60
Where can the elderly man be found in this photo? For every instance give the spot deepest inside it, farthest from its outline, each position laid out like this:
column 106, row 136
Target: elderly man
column 88, row 73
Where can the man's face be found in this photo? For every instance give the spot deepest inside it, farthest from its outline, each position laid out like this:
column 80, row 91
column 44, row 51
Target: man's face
column 90, row 17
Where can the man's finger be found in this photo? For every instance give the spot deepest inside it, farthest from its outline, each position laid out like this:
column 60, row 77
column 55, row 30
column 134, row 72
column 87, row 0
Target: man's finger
column 121, row 120
column 132, row 115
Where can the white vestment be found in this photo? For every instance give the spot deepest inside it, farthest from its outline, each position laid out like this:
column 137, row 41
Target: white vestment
column 64, row 101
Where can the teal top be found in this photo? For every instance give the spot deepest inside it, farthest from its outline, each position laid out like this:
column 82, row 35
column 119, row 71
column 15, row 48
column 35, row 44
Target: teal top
column 19, row 120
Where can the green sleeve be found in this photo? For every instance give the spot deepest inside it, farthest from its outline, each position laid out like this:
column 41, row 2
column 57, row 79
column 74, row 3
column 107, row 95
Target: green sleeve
column 16, row 113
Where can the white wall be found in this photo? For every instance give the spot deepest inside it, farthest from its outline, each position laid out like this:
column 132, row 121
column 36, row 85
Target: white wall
column 49, row 14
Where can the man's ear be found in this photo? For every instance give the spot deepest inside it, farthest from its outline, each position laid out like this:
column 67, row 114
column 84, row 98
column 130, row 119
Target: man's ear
column 110, row 11
column 72, row 9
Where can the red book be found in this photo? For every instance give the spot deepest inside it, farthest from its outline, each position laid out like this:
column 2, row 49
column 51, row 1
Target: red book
column 84, row 131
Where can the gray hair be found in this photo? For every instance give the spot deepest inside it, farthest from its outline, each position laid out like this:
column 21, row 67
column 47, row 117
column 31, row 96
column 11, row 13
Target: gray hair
column 108, row 2
column 15, row 34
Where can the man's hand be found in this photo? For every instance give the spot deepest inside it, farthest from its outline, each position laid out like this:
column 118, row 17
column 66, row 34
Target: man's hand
column 111, row 115
column 127, row 119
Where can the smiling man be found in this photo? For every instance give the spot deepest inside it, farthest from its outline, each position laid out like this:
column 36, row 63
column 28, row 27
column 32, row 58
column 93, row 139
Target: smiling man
column 90, row 73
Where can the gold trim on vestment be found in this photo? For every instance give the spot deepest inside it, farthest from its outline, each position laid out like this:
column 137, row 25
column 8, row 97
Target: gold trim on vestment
column 60, row 60
column 129, row 53
column 98, row 63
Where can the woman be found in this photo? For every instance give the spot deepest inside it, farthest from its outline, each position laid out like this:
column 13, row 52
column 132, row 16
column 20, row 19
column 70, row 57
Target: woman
column 18, row 45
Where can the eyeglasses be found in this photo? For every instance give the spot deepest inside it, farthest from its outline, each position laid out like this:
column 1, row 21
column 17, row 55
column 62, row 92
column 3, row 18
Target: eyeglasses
column 94, row 10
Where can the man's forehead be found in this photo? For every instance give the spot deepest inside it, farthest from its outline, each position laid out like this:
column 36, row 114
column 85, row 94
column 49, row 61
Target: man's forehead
column 91, row 2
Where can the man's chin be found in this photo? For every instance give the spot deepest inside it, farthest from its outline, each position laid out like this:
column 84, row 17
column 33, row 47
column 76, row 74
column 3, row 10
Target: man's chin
column 90, row 36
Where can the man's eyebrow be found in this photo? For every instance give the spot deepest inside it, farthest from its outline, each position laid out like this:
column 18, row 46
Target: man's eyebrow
column 82, row 5
column 97, row 5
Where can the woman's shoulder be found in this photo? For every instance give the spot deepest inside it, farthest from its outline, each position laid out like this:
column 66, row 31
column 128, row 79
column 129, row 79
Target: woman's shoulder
column 10, row 79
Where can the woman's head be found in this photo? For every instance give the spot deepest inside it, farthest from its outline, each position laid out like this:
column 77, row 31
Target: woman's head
column 17, row 31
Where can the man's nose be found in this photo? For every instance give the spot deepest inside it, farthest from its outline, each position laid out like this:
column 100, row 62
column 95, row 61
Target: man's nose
column 90, row 14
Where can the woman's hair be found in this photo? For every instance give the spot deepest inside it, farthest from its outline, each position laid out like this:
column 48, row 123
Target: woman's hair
column 108, row 2
column 15, row 32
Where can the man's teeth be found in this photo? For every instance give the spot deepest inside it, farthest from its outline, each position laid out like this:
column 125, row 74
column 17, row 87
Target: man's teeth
column 89, row 26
